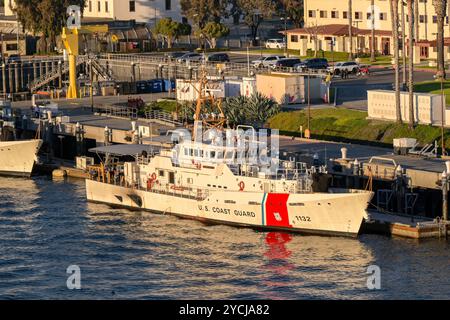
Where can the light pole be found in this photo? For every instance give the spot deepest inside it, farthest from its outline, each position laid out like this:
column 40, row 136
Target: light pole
column 286, row 18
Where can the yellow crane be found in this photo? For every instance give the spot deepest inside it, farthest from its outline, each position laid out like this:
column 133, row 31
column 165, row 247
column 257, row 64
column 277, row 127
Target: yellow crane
column 71, row 41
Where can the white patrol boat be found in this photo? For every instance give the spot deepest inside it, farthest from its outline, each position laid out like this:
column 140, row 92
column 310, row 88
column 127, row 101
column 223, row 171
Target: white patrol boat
column 240, row 182
column 192, row 181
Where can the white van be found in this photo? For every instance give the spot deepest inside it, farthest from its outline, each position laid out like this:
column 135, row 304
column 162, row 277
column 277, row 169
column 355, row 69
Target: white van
column 275, row 44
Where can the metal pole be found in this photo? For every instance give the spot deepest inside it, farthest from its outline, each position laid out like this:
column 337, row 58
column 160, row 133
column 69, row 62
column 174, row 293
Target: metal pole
column 443, row 116
column 309, row 103
column 91, row 91
column 444, row 196
column 248, row 62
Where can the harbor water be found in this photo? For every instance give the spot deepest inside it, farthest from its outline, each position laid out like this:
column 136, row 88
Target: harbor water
column 47, row 226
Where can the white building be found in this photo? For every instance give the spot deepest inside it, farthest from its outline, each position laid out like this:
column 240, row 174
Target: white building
column 146, row 11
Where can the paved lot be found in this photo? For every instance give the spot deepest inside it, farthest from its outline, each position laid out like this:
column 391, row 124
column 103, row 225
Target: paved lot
column 352, row 92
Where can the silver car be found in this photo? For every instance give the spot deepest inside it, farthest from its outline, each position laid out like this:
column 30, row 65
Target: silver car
column 190, row 57
column 266, row 61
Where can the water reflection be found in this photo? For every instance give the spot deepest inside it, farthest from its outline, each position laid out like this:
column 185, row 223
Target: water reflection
column 46, row 226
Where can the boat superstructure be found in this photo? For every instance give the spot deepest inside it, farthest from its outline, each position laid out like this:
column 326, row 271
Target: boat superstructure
column 207, row 182
column 231, row 176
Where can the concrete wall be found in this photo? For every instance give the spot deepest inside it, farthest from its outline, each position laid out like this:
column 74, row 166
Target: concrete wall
column 427, row 107
column 287, row 88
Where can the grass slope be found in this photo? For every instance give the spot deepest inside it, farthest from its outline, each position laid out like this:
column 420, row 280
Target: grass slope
column 351, row 126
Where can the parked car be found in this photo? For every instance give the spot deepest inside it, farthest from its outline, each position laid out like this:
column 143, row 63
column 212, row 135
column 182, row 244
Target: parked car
column 266, row 61
column 13, row 58
column 218, row 57
column 191, row 57
column 313, row 63
column 275, row 44
column 286, row 63
column 349, row 66
column 174, row 55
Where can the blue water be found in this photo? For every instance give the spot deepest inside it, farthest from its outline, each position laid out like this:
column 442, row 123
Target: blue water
column 46, row 226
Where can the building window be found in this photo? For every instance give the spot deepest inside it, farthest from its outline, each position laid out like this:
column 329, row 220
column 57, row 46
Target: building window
column 132, row 6
column 168, row 5
column 106, row 6
column 90, row 6
column 383, row 16
column 99, row 6
column 344, row 15
column 434, row 19
column 323, row 14
column 11, row 47
column 335, row 14
column 422, row 18
column 294, row 38
column 311, row 13
column 369, row 15
column 358, row 15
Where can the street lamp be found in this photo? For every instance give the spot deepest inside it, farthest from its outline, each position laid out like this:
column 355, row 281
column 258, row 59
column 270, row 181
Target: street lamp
column 285, row 18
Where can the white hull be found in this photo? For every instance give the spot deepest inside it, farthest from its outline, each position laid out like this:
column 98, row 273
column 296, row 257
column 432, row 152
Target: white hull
column 315, row 213
column 18, row 157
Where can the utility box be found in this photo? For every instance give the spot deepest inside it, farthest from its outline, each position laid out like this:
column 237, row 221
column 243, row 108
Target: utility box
column 288, row 88
column 427, row 107
column 248, row 87
column 402, row 145
column 83, row 162
column 233, row 87
column 107, row 91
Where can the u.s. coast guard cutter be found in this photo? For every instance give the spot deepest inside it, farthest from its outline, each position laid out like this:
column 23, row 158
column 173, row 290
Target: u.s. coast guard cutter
column 222, row 183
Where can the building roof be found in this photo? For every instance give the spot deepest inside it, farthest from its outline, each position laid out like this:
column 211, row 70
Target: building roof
column 336, row 30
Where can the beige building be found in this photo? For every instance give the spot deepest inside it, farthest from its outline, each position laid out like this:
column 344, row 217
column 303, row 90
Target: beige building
column 325, row 20
column 140, row 10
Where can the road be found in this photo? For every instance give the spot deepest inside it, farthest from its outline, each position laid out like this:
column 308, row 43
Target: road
column 352, row 92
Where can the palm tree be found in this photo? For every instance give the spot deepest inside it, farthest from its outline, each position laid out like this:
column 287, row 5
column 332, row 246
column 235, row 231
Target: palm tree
column 412, row 23
column 416, row 21
column 372, row 17
column 350, row 35
column 394, row 15
column 440, row 7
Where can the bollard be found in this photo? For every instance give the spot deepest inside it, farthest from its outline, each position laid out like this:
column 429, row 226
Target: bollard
column 344, row 153
column 107, row 139
column 356, row 167
column 16, row 77
column 10, row 78
column 34, row 71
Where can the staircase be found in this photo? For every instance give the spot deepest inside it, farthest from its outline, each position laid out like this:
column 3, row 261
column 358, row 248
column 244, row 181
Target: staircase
column 45, row 79
column 101, row 71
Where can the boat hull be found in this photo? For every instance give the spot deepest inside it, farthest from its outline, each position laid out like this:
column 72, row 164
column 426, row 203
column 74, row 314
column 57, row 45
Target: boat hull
column 17, row 158
column 316, row 213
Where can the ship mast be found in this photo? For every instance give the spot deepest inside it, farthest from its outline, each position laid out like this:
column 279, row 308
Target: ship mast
column 204, row 95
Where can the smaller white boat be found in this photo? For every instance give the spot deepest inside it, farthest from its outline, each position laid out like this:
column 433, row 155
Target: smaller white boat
column 18, row 157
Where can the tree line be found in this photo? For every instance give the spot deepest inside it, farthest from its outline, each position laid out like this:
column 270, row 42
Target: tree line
column 47, row 17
